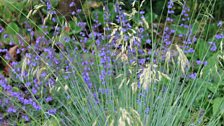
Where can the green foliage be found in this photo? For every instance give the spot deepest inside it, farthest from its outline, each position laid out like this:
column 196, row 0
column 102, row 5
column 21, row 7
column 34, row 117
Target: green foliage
column 218, row 106
column 12, row 28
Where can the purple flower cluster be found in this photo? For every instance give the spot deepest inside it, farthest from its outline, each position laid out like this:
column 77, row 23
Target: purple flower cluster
column 105, row 61
column 85, row 74
column 42, row 61
column 170, row 8
column 20, row 97
column 167, row 39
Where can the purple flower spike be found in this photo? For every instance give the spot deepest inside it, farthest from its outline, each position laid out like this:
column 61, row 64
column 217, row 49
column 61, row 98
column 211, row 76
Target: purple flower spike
column 48, row 5
column 170, row 4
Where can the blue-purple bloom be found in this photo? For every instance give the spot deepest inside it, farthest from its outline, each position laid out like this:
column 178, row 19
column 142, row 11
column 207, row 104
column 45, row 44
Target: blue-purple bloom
column 199, row 62
column 52, row 111
column 220, row 23
column 219, row 36
column 85, row 74
column 193, row 76
column 11, row 109
column 48, row 99
column 6, row 36
column 25, row 117
column 36, row 106
column 148, row 41
column 72, row 4
column 48, row 5
column 142, row 12
column 213, row 46
column 147, row 110
column 1, row 29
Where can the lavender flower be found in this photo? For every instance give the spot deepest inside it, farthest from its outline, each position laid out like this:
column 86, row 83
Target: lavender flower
column 170, row 4
column 73, row 13
column 25, row 117
column 6, row 36
column 1, row 29
column 205, row 63
column 142, row 12
column 148, row 41
column 219, row 36
column 34, row 90
column 147, row 110
column 78, row 10
column 220, row 23
column 72, row 4
column 48, row 99
column 213, row 46
column 85, row 74
column 11, row 109
column 52, row 111
column 49, row 6
column 199, row 62
column 36, row 106
column 193, row 76
column 1, row 116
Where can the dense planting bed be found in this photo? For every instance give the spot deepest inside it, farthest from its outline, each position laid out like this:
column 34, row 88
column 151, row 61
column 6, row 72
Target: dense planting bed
column 111, row 63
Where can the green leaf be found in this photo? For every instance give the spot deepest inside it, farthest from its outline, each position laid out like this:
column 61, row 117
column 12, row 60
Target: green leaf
column 89, row 43
column 14, row 6
column 112, row 11
column 150, row 17
column 210, row 29
column 212, row 62
column 16, row 89
column 12, row 28
column 54, row 2
column 179, row 29
column 51, row 122
column 212, row 87
column 218, row 106
column 201, row 48
column 75, row 29
column 195, row 27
